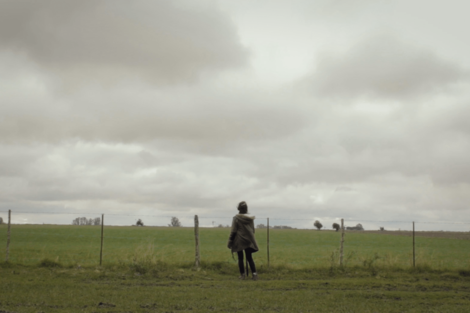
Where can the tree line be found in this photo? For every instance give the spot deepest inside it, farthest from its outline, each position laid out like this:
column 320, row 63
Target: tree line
column 86, row 221
column 175, row 222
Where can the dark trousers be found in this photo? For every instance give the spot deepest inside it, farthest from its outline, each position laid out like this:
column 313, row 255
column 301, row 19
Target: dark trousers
column 249, row 258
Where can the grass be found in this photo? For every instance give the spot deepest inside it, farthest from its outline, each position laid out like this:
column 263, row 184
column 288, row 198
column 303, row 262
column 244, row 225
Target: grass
column 117, row 288
column 297, row 249
column 150, row 269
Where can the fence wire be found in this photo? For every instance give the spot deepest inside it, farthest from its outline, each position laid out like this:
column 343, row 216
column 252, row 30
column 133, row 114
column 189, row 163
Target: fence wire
column 295, row 242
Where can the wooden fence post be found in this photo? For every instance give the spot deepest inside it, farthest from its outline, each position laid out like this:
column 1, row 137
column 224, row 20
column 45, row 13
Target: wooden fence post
column 8, row 236
column 101, row 249
column 196, row 237
column 342, row 243
column 268, row 241
column 413, row 244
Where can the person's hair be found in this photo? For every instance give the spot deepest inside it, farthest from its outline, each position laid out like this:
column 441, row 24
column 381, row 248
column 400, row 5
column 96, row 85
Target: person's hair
column 243, row 207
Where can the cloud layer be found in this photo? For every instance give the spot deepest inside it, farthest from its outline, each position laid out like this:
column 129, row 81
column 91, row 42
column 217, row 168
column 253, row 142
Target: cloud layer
column 383, row 67
column 171, row 108
column 159, row 40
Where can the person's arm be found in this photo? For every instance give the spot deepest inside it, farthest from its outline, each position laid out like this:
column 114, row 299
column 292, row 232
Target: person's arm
column 233, row 233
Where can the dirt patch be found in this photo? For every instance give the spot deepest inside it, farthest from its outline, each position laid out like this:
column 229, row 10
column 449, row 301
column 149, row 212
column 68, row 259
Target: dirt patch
column 106, row 305
column 148, row 306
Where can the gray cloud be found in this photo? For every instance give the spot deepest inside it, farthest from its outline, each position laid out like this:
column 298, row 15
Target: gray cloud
column 214, row 124
column 380, row 134
column 91, row 39
column 383, row 67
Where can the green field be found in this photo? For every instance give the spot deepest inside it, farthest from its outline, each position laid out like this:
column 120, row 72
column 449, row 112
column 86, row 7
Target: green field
column 296, row 249
column 150, row 269
column 98, row 289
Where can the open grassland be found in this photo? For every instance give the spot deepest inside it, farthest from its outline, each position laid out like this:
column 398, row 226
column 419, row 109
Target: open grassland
column 296, row 249
column 150, row 269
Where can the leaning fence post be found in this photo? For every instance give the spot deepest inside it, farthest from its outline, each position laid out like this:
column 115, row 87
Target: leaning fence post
column 8, row 236
column 102, row 228
column 196, row 237
column 342, row 243
column 413, row 244
column 268, row 241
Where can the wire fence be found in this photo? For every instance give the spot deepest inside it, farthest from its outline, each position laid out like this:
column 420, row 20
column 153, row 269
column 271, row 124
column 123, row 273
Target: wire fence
column 102, row 238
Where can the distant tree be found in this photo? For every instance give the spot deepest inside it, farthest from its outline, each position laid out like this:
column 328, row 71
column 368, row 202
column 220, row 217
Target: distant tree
column 220, row 226
column 139, row 223
column 281, row 227
column 260, row 226
column 318, row 225
column 336, row 226
column 86, row 221
column 175, row 222
column 1, row 221
column 357, row 227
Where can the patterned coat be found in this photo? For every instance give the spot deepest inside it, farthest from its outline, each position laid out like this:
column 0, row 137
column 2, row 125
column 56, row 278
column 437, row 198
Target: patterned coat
column 242, row 235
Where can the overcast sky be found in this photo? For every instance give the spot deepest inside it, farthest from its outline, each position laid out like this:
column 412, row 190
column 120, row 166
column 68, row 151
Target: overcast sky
column 306, row 110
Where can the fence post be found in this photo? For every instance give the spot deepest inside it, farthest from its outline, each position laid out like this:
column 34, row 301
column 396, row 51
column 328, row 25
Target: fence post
column 342, row 243
column 413, row 244
column 196, row 237
column 268, row 241
column 102, row 228
column 8, row 236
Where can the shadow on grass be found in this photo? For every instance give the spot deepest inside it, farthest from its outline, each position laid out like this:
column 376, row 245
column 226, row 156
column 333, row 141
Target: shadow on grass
column 49, row 263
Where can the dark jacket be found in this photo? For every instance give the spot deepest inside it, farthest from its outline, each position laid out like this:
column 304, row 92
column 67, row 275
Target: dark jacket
column 242, row 235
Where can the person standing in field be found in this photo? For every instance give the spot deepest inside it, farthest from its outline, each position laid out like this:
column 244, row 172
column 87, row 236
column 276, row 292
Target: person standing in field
column 242, row 238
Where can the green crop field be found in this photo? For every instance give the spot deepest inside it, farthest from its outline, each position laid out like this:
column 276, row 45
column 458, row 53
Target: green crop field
column 296, row 249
